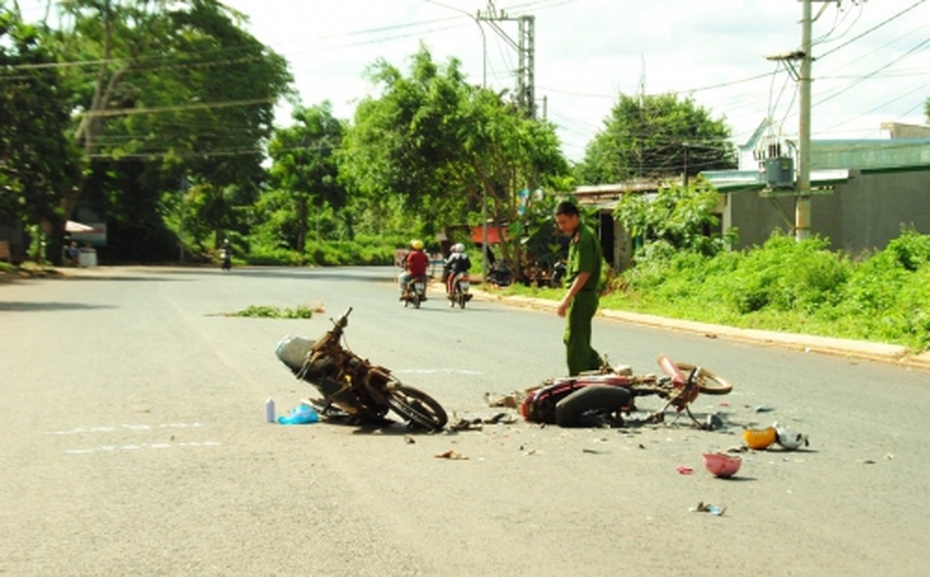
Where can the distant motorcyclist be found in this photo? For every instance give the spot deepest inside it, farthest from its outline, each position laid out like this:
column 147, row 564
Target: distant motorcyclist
column 415, row 264
column 457, row 263
column 226, row 255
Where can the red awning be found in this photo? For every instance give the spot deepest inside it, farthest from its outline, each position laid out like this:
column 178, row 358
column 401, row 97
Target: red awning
column 494, row 234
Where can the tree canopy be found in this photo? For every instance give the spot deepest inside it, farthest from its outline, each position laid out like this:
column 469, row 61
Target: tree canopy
column 37, row 164
column 652, row 137
column 442, row 147
column 303, row 178
column 179, row 92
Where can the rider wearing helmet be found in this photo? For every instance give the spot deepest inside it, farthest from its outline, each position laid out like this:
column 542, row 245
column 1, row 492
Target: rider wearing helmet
column 415, row 264
column 457, row 263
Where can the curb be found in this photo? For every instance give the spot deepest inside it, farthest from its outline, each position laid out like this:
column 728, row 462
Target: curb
column 883, row 352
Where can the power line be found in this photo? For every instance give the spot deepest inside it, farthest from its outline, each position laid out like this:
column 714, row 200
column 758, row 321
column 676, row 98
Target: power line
column 872, row 29
column 160, row 109
column 875, row 72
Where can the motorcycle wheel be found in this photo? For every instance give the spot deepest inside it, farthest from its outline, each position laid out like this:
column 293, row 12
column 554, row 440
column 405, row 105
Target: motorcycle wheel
column 569, row 410
column 462, row 300
column 709, row 382
column 417, row 407
column 416, row 300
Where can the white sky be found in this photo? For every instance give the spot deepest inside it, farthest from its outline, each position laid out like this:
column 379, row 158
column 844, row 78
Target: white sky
column 590, row 51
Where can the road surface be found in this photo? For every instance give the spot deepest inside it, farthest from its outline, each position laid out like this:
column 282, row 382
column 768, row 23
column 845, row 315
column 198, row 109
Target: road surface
column 133, row 442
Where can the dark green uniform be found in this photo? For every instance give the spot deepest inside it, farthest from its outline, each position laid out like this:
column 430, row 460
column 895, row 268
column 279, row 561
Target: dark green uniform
column 584, row 255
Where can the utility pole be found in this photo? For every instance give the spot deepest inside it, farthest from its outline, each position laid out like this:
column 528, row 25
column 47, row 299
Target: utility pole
column 802, row 203
column 802, row 189
column 526, row 51
column 526, row 85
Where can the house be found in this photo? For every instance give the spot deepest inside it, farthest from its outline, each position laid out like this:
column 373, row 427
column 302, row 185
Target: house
column 863, row 191
column 616, row 244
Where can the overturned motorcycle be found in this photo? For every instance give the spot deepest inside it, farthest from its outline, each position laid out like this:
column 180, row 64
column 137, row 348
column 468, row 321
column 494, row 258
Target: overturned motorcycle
column 353, row 388
column 610, row 393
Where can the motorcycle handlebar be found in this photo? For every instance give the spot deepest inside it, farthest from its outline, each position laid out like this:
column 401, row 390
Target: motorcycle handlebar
column 344, row 319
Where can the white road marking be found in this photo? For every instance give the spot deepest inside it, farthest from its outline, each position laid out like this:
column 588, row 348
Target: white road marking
column 135, row 427
column 114, row 448
column 126, row 427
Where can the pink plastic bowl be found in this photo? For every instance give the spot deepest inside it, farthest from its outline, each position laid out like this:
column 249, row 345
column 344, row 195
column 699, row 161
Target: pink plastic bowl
column 722, row 465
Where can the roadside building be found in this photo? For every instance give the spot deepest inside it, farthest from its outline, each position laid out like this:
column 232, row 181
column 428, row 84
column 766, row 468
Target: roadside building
column 863, row 191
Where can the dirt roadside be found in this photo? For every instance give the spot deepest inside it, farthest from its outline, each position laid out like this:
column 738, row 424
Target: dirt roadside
column 883, row 352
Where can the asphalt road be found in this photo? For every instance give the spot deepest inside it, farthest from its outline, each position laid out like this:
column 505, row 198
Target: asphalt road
column 133, row 443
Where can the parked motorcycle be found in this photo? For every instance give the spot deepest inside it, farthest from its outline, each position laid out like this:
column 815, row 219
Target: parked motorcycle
column 351, row 386
column 415, row 292
column 460, row 290
column 499, row 275
column 564, row 400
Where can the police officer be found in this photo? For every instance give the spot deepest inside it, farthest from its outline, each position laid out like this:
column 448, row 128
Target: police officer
column 583, row 271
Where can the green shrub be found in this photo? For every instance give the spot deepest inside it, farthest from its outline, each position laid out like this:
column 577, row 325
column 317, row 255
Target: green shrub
column 911, row 250
column 787, row 275
column 265, row 256
column 265, row 311
column 791, row 286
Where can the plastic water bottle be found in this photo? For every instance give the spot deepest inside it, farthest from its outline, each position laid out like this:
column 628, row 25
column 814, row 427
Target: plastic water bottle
column 269, row 410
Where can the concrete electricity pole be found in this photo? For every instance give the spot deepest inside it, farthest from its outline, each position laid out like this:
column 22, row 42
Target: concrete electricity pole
column 802, row 203
column 525, row 47
column 802, row 192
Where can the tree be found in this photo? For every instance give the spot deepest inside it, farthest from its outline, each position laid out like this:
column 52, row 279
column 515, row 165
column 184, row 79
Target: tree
column 179, row 88
column 304, row 175
column 656, row 137
column 678, row 218
column 38, row 163
column 443, row 147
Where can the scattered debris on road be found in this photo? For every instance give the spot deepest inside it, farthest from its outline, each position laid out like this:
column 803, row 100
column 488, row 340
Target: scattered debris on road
column 452, row 455
column 708, row 508
column 477, row 423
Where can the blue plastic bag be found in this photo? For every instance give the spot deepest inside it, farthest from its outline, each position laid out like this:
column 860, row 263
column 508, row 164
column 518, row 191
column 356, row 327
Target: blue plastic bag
column 300, row 415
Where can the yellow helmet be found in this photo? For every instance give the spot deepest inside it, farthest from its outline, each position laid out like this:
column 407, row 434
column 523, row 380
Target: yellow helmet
column 760, row 439
column 416, row 244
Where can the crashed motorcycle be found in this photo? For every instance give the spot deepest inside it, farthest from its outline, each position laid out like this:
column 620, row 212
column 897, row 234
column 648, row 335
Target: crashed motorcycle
column 610, row 392
column 353, row 389
column 414, row 292
column 460, row 287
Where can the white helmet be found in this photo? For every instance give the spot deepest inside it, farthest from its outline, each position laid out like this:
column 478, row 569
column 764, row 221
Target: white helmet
column 458, row 247
column 790, row 440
